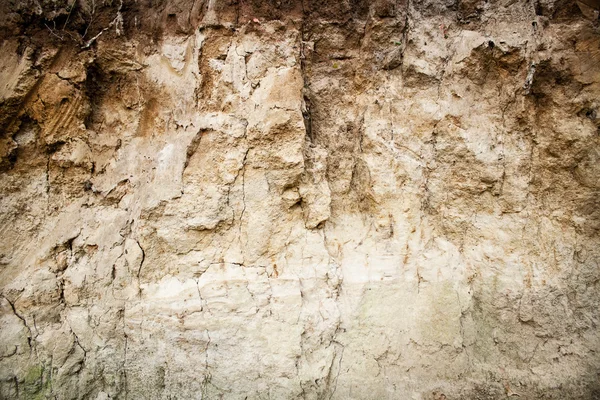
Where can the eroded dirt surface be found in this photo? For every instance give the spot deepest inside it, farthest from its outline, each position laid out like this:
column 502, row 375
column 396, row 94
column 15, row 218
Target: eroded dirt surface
column 285, row 199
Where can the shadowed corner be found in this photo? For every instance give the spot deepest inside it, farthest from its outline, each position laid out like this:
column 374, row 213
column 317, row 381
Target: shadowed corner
column 589, row 8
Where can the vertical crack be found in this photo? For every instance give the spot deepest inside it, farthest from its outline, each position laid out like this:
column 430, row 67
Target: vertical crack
column 139, row 271
column 306, row 103
column 462, row 328
column 243, row 192
column 207, row 376
column 124, row 367
column 199, row 294
column 78, row 344
column 47, row 174
column 192, row 147
column 143, row 259
column 237, row 175
column 339, row 355
column 14, row 310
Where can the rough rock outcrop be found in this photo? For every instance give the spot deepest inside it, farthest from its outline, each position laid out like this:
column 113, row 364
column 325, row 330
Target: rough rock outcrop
column 298, row 199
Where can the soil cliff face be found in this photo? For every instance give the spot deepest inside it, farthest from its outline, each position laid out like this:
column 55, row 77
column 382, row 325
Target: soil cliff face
column 282, row 199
